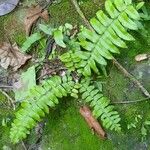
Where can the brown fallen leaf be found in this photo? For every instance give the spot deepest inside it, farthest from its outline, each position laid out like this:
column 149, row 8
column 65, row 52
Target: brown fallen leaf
column 33, row 14
column 11, row 56
column 141, row 57
column 92, row 122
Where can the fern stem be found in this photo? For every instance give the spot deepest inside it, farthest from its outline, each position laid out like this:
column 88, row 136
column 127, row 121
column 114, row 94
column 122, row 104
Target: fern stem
column 131, row 77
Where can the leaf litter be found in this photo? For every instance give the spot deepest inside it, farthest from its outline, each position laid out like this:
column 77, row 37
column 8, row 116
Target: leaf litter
column 33, row 14
column 10, row 55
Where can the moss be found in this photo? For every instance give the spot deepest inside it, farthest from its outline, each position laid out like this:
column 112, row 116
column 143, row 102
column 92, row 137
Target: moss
column 66, row 129
column 65, row 12
column 11, row 27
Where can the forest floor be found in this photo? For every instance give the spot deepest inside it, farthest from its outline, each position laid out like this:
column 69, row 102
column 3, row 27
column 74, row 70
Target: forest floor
column 64, row 128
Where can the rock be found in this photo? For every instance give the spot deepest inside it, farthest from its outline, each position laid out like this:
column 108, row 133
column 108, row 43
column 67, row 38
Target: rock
column 7, row 6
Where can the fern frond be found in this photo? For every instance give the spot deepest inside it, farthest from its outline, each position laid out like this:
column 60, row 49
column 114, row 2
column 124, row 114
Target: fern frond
column 38, row 103
column 101, row 105
column 109, row 33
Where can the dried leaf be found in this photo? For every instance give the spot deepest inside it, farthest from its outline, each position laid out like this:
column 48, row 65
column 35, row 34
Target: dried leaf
column 92, row 122
column 141, row 57
column 34, row 13
column 11, row 56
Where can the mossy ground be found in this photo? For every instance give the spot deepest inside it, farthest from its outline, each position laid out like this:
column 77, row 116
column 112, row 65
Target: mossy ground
column 65, row 129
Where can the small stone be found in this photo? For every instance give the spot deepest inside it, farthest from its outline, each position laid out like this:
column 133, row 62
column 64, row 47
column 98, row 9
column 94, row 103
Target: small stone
column 141, row 57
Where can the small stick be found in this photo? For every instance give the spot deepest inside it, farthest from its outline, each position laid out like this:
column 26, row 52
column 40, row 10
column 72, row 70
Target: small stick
column 23, row 145
column 75, row 3
column 129, row 102
column 6, row 86
column 117, row 64
column 9, row 98
column 131, row 77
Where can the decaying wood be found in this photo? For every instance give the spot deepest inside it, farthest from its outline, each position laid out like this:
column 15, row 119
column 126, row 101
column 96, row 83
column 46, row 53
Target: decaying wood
column 33, row 14
column 92, row 122
column 11, row 56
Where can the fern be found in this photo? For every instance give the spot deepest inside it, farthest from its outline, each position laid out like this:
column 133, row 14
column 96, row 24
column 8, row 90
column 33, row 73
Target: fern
column 101, row 105
column 30, row 40
column 88, row 51
column 38, row 103
column 109, row 34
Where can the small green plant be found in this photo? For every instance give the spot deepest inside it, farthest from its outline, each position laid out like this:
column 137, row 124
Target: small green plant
column 87, row 53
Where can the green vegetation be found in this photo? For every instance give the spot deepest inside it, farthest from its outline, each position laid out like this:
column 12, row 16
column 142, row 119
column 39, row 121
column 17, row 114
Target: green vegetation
column 64, row 122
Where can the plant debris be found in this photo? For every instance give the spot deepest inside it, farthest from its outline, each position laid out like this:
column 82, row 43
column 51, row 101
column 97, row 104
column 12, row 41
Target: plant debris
column 92, row 122
column 141, row 57
column 34, row 13
column 53, row 67
column 10, row 55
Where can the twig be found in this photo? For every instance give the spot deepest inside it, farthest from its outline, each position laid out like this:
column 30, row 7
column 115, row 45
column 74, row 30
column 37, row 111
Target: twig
column 23, row 145
column 131, row 77
column 9, row 98
column 117, row 64
column 75, row 3
column 6, row 86
column 129, row 102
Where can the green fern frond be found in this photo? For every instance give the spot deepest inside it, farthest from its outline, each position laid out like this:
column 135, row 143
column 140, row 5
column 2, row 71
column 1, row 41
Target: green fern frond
column 38, row 103
column 109, row 33
column 101, row 105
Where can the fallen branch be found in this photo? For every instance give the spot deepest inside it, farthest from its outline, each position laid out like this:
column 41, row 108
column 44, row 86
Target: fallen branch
column 92, row 122
column 117, row 64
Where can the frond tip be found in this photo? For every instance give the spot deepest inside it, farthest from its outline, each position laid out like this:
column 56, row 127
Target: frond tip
column 101, row 106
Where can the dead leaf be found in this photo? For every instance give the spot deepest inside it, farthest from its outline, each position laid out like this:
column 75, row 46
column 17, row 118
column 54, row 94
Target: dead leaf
column 11, row 56
column 92, row 122
column 141, row 57
column 34, row 13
